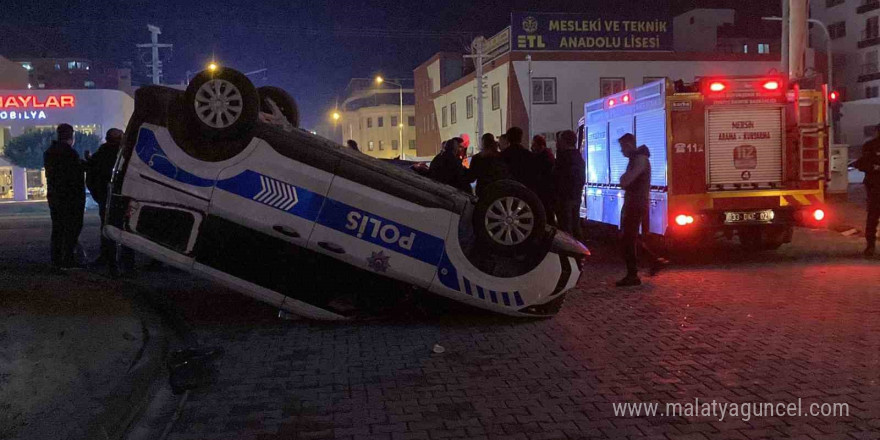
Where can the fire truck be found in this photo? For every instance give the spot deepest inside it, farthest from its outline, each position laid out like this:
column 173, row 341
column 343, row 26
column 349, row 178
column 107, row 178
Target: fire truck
column 730, row 156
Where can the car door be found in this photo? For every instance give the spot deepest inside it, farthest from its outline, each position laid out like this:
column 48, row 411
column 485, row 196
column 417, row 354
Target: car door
column 262, row 213
column 379, row 220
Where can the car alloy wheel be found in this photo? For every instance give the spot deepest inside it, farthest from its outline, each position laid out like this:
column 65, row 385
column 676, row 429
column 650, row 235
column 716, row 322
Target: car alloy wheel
column 509, row 221
column 218, row 103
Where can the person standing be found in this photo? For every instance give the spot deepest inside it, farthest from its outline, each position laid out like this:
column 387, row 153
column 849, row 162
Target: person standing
column 66, row 194
column 502, row 142
column 569, row 177
column 487, row 165
column 636, row 182
column 520, row 161
column 869, row 163
column 353, row 145
column 99, row 171
column 544, row 179
column 446, row 167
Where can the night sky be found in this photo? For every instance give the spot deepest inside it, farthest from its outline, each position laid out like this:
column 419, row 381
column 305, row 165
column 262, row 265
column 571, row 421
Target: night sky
column 311, row 48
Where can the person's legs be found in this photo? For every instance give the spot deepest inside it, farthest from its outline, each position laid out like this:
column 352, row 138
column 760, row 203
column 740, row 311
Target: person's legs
column 630, row 224
column 562, row 215
column 872, row 220
column 57, row 237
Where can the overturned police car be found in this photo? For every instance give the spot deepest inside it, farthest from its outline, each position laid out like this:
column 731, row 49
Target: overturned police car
column 219, row 181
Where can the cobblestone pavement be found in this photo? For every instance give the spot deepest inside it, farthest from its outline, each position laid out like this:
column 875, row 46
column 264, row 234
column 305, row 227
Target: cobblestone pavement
column 768, row 328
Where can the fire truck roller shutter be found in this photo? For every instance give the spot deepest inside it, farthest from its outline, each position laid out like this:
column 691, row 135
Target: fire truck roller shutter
column 616, row 128
column 651, row 131
column 745, row 145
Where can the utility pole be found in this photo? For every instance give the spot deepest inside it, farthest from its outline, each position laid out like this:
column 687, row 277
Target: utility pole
column 155, row 65
column 477, row 55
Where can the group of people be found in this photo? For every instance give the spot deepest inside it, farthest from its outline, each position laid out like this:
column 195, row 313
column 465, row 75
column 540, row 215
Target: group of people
column 67, row 177
column 558, row 181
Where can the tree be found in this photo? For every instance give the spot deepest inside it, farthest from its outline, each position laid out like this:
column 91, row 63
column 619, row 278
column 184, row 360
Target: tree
column 27, row 150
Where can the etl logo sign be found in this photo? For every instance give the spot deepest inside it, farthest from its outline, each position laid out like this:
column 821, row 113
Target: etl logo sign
column 26, row 107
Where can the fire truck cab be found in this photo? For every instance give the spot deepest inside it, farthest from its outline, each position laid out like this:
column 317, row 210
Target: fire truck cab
column 731, row 156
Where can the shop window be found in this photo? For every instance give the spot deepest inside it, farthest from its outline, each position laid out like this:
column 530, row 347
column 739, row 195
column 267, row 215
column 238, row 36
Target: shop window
column 453, row 118
column 610, row 86
column 544, row 90
column 469, row 106
column 496, row 96
column 412, row 144
column 394, row 144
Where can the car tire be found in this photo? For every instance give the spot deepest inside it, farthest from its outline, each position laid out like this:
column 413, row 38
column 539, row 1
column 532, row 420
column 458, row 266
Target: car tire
column 222, row 104
column 509, row 218
column 282, row 99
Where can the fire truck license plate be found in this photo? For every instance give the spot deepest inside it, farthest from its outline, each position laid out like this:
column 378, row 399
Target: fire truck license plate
column 745, row 217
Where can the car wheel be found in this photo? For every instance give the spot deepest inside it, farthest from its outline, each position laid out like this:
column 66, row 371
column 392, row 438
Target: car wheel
column 509, row 218
column 282, row 99
column 223, row 104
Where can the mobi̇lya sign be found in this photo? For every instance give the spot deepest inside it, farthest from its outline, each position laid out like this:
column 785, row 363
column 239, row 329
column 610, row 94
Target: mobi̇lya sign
column 589, row 32
column 26, row 107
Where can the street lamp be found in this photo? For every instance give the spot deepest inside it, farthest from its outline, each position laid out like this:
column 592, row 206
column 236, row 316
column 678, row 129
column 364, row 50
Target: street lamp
column 212, row 67
column 380, row 80
column 830, row 68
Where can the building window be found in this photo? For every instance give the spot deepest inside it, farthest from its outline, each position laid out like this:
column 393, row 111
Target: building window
column 381, row 145
column 412, row 144
column 871, row 29
column 871, row 92
column 394, row 144
column 543, row 90
column 370, row 123
column 692, row 20
column 411, row 121
column 380, row 121
column 837, row 30
column 763, row 48
column 453, row 117
column 370, row 145
column 870, row 66
column 89, row 84
column 496, row 96
column 469, row 106
column 57, row 66
column 650, row 79
column 830, row 3
column 443, row 113
column 394, row 121
column 610, row 86
column 745, row 48
column 27, row 66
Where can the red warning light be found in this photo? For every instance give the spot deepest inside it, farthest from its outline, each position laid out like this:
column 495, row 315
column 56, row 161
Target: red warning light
column 833, row 96
column 717, row 86
column 611, row 102
column 625, row 99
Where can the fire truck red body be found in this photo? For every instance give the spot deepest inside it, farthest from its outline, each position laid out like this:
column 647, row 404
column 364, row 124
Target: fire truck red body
column 730, row 156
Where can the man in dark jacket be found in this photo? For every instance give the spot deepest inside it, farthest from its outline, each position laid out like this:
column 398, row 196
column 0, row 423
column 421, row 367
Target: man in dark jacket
column 487, row 165
column 544, row 179
column 99, row 170
column 520, row 161
column 869, row 163
column 569, row 176
column 446, row 167
column 66, row 194
column 636, row 182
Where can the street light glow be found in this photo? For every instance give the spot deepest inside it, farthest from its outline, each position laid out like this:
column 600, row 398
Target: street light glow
column 212, row 67
column 336, row 116
column 379, row 80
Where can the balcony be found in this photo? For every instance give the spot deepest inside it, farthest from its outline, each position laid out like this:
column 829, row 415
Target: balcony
column 869, row 72
column 867, row 6
column 870, row 37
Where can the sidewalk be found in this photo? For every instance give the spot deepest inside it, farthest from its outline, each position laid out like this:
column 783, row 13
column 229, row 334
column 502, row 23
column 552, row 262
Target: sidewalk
column 77, row 351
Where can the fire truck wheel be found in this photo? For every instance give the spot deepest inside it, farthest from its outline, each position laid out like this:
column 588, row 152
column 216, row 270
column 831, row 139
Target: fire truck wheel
column 282, row 99
column 223, row 104
column 509, row 218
